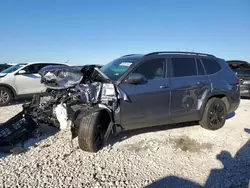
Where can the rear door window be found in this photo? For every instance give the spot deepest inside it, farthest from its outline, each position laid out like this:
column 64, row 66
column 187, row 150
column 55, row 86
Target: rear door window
column 183, row 67
column 47, row 64
column 211, row 65
column 35, row 68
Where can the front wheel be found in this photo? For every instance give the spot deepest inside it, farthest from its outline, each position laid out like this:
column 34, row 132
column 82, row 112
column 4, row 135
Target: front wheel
column 5, row 96
column 91, row 132
column 214, row 115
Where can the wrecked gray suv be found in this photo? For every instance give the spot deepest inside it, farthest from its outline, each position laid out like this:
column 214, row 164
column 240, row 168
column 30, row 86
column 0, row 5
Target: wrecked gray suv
column 136, row 91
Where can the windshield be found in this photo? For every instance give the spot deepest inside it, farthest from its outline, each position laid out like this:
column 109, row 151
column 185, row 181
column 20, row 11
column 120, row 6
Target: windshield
column 242, row 72
column 116, row 68
column 13, row 68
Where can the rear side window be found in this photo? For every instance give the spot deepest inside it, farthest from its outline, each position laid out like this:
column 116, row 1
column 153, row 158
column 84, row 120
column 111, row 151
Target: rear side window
column 211, row 65
column 200, row 68
column 32, row 69
column 46, row 64
column 35, row 68
column 182, row 67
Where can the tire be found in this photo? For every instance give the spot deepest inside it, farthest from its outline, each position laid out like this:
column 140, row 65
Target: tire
column 91, row 132
column 214, row 115
column 6, row 96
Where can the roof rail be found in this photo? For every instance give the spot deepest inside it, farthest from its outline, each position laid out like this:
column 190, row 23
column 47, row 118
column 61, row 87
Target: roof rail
column 129, row 55
column 181, row 52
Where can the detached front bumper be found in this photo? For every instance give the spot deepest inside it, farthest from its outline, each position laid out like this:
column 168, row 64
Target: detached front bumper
column 17, row 129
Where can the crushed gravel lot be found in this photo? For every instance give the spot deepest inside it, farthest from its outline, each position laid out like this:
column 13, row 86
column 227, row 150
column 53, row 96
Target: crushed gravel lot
column 166, row 156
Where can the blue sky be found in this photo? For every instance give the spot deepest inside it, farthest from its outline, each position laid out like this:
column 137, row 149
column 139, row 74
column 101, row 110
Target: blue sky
column 98, row 31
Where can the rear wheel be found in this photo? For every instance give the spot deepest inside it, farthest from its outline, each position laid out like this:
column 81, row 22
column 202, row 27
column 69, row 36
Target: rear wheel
column 214, row 115
column 6, row 96
column 91, row 131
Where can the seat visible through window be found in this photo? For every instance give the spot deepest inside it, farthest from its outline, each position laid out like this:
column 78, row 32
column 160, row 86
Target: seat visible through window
column 152, row 69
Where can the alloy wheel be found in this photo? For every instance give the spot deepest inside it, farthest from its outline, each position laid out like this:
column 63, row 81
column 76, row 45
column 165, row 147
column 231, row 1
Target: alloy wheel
column 216, row 114
column 4, row 97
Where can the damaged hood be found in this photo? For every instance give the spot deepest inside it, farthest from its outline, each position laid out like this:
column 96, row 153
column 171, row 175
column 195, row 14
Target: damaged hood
column 91, row 83
column 63, row 77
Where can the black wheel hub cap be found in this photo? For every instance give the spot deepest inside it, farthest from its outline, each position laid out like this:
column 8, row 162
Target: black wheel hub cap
column 216, row 114
column 4, row 96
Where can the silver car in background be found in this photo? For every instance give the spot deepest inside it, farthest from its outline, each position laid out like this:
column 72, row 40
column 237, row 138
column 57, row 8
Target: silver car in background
column 22, row 80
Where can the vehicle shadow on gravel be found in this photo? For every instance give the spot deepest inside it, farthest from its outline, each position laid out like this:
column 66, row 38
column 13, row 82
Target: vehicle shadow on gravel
column 128, row 134
column 42, row 133
column 236, row 172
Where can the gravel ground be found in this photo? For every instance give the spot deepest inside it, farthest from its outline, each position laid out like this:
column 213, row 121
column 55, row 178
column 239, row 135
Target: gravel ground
column 184, row 156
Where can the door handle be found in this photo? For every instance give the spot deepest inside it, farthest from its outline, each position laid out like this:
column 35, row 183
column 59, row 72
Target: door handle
column 164, row 86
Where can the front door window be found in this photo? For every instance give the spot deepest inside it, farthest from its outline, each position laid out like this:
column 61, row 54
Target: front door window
column 152, row 69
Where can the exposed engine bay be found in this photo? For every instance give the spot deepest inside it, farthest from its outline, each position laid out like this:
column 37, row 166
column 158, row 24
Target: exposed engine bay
column 72, row 92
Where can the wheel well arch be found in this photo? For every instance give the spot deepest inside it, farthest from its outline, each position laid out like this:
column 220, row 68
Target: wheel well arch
column 223, row 97
column 10, row 88
column 106, row 117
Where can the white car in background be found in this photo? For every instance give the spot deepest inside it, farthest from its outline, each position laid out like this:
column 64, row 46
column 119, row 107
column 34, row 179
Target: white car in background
column 22, row 80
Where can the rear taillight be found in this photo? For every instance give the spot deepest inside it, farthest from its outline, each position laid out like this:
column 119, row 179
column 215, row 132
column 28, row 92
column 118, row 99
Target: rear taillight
column 237, row 80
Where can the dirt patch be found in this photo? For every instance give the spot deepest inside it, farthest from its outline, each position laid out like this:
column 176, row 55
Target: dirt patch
column 186, row 144
column 145, row 145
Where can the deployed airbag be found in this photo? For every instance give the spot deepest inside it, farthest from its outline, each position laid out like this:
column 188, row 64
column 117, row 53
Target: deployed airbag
column 62, row 116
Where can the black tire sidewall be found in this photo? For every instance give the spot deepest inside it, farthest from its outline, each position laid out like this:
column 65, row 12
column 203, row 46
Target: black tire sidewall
column 95, row 121
column 205, row 122
column 86, row 132
column 10, row 96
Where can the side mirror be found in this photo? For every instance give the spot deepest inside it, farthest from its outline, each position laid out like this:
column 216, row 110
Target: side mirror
column 135, row 78
column 21, row 72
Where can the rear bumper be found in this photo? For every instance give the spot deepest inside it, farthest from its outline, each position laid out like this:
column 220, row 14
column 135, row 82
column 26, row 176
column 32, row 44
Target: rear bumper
column 233, row 106
column 234, row 100
column 245, row 90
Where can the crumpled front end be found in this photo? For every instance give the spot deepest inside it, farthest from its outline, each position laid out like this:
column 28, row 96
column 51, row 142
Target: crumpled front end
column 94, row 97
column 74, row 92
